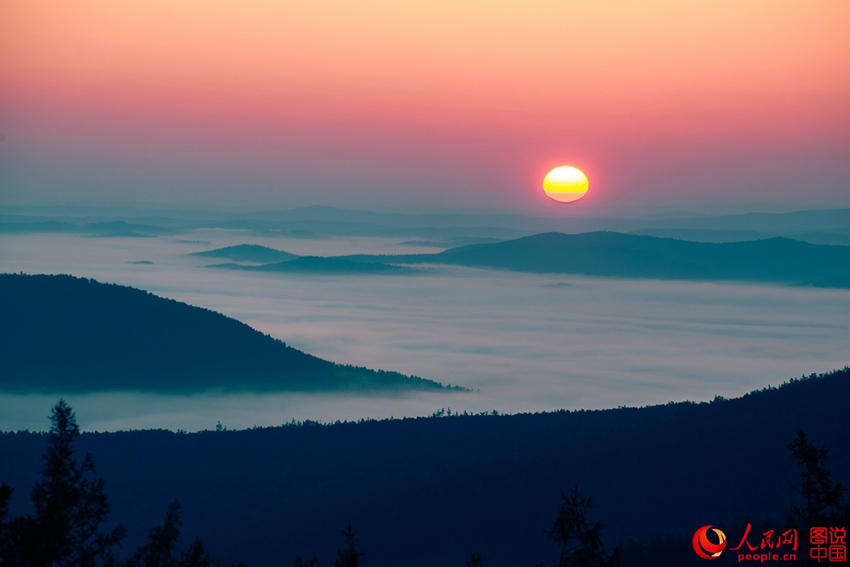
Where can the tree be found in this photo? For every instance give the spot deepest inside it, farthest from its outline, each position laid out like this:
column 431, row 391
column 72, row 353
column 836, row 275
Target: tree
column 348, row 556
column 824, row 501
column 579, row 541
column 70, row 505
column 162, row 541
column 162, row 544
column 196, row 556
column 5, row 528
column 475, row 561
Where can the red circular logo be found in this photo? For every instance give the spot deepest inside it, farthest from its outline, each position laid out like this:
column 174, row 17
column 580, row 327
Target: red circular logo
column 705, row 548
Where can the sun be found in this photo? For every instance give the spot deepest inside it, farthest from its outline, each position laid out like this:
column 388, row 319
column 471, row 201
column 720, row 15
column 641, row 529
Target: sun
column 565, row 184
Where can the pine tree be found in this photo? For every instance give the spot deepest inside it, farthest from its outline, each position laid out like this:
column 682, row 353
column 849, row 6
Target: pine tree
column 5, row 527
column 579, row 541
column 162, row 541
column 196, row 556
column 824, row 500
column 348, row 556
column 301, row 562
column 70, row 505
column 160, row 551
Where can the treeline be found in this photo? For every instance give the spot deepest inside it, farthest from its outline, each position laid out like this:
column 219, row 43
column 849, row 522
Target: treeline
column 430, row 491
column 70, row 508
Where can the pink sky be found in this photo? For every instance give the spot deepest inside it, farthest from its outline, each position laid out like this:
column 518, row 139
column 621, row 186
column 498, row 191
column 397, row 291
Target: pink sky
column 387, row 104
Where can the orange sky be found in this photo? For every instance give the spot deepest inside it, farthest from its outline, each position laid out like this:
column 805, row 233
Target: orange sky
column 426, row 103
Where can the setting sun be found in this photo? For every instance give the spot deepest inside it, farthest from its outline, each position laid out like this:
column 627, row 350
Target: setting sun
column 565, row 184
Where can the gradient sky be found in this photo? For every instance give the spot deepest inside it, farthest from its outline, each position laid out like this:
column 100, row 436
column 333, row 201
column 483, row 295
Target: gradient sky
column 390, row 104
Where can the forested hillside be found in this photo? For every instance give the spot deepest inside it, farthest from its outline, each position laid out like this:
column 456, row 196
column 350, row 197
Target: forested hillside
column 431, row 491
column 67, row 334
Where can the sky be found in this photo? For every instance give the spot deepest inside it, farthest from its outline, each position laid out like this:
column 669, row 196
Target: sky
column 383, row 104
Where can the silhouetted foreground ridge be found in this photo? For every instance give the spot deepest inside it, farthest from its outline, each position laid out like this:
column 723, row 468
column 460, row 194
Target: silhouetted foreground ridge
column 61, row 333
column 430, row 491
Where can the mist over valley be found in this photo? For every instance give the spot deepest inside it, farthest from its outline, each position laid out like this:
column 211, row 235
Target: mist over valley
column 519, row 341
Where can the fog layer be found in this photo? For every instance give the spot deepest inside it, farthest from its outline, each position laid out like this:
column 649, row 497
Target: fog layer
column 521, row 341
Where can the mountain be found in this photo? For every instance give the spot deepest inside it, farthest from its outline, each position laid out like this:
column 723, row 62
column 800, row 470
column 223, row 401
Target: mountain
column 104, row 229
column 67, row 334
column 430, row 491
column 612, row 254
column 322, row 265
column 703, row 235
column 248, row 253
column 831, row 226
column 768, row 224
column 448, row 243
column 708, row 235
column 824, row 220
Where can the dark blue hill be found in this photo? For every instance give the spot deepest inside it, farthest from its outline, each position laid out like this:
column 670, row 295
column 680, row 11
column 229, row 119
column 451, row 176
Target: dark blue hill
column 425, row 492
column 248, row 253
column 67, row 334
column 322, row 265
column 612, row 254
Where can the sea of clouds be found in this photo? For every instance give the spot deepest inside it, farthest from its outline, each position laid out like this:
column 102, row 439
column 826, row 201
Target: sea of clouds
column 521, row 342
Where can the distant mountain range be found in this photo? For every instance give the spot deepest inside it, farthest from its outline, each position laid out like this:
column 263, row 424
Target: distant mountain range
column 105, row 229
column 720, row 235
column 271, row 260
column 611, row 254
column 606, row 254
column 67, row 334
column 322, row 265
column 446, row 228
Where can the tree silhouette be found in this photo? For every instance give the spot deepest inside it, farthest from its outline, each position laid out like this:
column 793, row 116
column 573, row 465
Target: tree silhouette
column 196, row 556
column 824, row 500
column 348, row 556
column 5, row 528
column 301, row 562
column 70, row 505
column 162, row 544
column 475, row 561
column 579, row 541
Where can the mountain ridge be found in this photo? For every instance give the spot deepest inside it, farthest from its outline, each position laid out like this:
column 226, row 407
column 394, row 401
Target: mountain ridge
column 614, row 254
column 63, row 333
column 248, row 253
column 428, row 491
